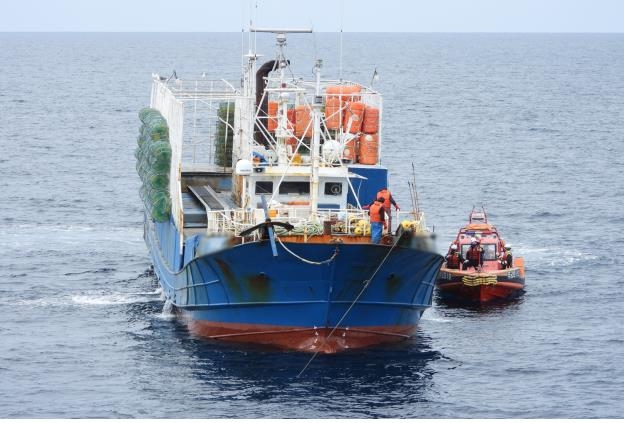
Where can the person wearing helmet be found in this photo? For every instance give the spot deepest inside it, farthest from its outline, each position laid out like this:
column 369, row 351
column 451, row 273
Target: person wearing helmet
column 474, row 255
column 453, row 258
column 507, row 257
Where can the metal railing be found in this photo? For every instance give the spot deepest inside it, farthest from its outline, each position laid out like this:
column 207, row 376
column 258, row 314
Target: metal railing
column 343, row 221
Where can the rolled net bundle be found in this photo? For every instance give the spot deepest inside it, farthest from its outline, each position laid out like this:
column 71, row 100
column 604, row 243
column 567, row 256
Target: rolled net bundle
column 153, row 163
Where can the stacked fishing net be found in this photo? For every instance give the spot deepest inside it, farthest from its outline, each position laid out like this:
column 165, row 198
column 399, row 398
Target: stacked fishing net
column 225, row 135
column 153, row 164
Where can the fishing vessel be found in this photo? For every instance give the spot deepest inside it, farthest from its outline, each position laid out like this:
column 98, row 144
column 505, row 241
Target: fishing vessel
column 254, row 215
column 493, row 275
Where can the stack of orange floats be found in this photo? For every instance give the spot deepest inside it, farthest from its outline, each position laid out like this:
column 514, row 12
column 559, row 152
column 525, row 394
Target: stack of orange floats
column 291, row 143
column 343, row 109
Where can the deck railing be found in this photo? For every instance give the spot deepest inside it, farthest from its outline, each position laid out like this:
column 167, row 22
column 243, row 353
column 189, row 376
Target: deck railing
column 333, row 221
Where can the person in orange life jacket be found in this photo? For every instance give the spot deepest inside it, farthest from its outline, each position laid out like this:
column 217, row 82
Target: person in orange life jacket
column 453, row 258
column 388, row 201
column 377, row 220
column 474, row 255
column 506, row 258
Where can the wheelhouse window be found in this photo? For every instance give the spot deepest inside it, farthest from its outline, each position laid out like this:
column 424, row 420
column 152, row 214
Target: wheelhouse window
column 333, row 188
column 264, row 187
column 489, row 251
column 464, row 250
column 299, row 188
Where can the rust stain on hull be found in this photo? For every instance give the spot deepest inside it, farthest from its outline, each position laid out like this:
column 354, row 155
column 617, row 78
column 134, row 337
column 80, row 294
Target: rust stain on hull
column 303, row 339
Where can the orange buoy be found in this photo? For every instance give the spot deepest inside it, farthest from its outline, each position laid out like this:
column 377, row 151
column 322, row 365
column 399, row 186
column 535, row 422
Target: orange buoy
column 369, row 149
column 272, row 118
column 350, row 150
column 333, row 113
column 303, row 124
column 355, row 112
column 370, row 124
column 292, row 118
column 344, row 92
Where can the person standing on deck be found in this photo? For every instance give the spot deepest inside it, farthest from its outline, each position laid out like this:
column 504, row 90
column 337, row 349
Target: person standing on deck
column 453, row 258
column 473, row 255
column 377, row 215
column 507, row 257
column 388, row 201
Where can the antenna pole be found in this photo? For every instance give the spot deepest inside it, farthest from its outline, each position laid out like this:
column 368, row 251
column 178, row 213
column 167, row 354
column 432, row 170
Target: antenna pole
column 415, row 190
column 315, row 145
column 340, row 48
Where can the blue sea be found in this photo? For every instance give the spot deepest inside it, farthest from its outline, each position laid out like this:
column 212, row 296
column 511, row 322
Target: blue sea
column 529, row 125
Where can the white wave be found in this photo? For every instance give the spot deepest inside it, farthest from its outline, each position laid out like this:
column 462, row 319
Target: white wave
column 167, row 311
column 435, row 319
column 158, row 291
column 111, row 299
column 553, row 256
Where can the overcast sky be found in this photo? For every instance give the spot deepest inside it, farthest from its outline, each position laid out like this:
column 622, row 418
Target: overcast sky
column 322, row 15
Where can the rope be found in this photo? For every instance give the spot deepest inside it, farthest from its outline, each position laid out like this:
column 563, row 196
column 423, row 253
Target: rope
column 306, row 260
column 366, row 283
column 476, row 280
column 311, row 229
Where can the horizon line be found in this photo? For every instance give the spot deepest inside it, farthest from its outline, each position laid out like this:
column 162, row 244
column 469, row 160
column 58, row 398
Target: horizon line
column 327, row 32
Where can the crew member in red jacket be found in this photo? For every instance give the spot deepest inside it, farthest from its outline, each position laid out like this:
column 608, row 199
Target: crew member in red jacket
column 377, row 220
column 453, row 258
column 388, row 201
column 473, row 255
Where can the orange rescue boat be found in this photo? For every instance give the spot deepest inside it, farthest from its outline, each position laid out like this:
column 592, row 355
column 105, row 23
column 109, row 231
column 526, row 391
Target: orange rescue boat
column 479, row 267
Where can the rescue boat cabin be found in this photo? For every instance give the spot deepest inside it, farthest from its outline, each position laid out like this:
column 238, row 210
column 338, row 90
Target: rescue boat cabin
column 487, row 236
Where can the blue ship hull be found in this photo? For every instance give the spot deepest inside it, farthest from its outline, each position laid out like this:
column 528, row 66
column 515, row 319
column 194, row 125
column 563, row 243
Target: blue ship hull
column 363, row 294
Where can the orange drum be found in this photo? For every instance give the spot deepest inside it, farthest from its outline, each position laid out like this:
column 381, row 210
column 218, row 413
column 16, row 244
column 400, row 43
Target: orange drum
column 303, row 124
column 356, row 111
column 272, row 120
column 292, row 118
column 370, row 125
column 369, row 149
column 344, row 92
column 350, row 150
column 333, row 113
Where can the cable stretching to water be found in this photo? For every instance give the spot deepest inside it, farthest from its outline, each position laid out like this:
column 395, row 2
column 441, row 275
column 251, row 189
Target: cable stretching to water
column 366, row 283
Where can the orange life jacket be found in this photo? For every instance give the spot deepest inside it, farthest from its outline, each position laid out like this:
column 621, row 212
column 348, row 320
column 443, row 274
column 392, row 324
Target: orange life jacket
column 452, row 260
column 385, row 194
column 375, row 212
column 473, row 254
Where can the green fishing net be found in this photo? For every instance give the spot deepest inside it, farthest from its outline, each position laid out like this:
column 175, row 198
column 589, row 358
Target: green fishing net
column 153, row 163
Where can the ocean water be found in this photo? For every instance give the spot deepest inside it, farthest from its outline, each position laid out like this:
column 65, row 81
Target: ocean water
column 531, row 126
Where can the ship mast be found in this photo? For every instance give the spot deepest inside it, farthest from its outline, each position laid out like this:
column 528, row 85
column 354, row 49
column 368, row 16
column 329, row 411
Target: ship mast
column 316, row 137
column 282, row 133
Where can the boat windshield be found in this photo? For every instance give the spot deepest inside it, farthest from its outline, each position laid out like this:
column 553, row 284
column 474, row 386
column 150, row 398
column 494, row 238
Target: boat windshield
column 489, row 251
